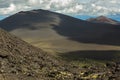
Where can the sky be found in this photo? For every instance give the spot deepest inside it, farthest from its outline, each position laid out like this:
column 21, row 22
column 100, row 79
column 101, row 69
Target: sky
column 76, row 8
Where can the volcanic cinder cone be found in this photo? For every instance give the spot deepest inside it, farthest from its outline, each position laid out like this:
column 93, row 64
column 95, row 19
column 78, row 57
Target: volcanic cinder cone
column 61, row 33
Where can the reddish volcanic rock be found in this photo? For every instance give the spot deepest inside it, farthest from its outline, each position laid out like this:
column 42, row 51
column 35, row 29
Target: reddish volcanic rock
column 103, row 19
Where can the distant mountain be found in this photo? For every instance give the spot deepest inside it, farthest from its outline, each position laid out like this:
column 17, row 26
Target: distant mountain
column 103, row 19
column 57, row 32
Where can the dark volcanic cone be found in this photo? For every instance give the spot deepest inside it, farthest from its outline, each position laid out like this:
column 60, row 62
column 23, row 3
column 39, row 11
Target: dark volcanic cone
column 48, row 27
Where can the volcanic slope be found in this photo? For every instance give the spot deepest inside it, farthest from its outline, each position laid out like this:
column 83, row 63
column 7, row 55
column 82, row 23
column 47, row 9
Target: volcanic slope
column 60, row 33
column 21, row 61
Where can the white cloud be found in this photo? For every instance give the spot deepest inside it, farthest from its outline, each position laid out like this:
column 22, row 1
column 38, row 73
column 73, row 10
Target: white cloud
column 9, row 9
column 70, row 7
column 113, row 1
column 34, row 2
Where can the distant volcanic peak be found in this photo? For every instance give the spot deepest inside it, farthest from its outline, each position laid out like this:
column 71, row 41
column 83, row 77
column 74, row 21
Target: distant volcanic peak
column 103, row 19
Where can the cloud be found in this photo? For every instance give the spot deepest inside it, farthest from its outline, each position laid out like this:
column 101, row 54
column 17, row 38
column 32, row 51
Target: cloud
column 70, row 7
column 9, row 9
